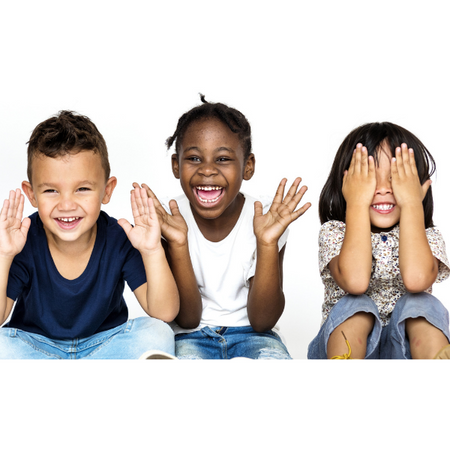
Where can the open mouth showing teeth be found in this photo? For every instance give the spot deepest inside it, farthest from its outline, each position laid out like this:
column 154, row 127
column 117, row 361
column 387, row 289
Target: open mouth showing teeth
column 209, row 194
column 383, row 206
column 67, row 219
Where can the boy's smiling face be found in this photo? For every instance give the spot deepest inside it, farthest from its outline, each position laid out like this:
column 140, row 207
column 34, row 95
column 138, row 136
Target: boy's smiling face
column 211, row 168
column 68, row 192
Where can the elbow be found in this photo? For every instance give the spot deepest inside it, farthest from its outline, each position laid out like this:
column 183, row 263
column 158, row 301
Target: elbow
column 419, row 282
column 187, row 323
column 357, row 290
column 417, row 285
column 189, row 319
column 356, row 287
column 167, row 315
column 261, row 323
column 352, row 282
column 260, row 327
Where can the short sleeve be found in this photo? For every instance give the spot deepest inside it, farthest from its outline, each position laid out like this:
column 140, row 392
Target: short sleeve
column 437, row 246
column 18, row 277
column 331, row 237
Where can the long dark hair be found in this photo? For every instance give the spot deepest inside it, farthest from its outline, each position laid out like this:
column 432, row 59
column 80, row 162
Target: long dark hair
column 332, row 204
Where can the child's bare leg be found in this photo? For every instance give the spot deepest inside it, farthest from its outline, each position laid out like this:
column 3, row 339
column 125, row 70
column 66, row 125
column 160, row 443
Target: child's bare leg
column 356, row 329
column 425, row 340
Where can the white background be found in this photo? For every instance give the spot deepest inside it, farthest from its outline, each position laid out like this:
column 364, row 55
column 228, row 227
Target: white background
column 304, row 73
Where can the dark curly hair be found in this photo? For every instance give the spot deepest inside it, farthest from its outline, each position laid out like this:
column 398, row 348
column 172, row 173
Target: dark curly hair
column 332, row 204
column 234, row 119
column 66, row 133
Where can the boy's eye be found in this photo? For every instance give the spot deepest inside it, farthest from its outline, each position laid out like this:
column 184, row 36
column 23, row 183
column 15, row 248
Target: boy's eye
column 193, row 158
column 49, row 191
column 223, row 159
column 83, row 189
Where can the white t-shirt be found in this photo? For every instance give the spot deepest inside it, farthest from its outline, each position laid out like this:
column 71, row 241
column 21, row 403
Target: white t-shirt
column 223, row 269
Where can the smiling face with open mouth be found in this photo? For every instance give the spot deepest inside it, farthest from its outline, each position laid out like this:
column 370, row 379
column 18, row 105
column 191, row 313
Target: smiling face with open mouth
column 384, row 212
column 68, row 192
column 211, row 167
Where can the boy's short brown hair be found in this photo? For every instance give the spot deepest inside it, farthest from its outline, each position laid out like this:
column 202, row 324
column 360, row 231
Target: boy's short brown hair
column 64, row 134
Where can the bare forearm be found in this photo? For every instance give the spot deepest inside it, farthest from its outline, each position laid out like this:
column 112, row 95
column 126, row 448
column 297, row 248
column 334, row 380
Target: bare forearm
column 266, row 298
column 5, row 303
column 162, row 297
column 418, row 266
column 352, row 268
column 190, row 312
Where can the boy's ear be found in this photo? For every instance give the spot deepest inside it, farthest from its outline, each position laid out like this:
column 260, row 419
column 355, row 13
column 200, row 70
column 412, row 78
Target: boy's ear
column 28, row 189
column 249, row 168
column 109, row 188
column 175, row 166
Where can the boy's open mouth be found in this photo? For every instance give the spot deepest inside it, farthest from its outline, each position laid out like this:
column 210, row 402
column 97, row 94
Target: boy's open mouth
column 67, row 222
column 208, row 194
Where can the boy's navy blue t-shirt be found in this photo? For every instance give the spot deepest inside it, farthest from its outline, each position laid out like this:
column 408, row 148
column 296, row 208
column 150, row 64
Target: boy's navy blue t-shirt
column 51, row 305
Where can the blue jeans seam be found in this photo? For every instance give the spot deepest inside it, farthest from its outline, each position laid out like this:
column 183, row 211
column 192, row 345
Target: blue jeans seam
column 52, row 355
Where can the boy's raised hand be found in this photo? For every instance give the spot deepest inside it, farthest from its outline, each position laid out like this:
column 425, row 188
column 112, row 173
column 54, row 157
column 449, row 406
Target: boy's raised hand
column 145, row 236
column 173, row 226
column 405, row 179
column 270, row 226
column 13, row 230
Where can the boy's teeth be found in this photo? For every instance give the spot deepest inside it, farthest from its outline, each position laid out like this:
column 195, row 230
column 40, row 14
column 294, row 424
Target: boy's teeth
column 68, row 219
column 383, row 207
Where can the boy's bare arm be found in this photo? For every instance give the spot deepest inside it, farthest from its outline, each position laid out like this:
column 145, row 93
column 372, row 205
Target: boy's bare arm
column 159, row 296
column 175, row 232
column 13, row 235
column 266, row 298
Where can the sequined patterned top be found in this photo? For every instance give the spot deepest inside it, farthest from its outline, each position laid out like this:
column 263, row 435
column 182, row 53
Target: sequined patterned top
column 386, row 284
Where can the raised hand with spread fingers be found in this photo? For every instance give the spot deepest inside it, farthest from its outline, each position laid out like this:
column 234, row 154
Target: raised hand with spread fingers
column 159, row 296
column 266, row 297
column 13, row 236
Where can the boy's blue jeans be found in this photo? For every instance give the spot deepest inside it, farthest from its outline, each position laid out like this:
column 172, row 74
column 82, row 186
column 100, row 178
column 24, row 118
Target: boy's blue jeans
column 391, row 341
column 230, row 342
column 127, row 341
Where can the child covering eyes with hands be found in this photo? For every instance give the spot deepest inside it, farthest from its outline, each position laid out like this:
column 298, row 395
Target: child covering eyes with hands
column 379, row 253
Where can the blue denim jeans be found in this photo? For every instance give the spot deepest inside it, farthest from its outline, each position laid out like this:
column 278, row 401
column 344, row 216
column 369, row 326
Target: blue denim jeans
column 127, row 341
column 230, row 342
column 391, row 341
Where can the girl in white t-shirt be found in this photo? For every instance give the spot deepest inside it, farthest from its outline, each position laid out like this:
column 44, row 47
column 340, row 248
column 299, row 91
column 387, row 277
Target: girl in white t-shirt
column 379, row 252
column 225, row 248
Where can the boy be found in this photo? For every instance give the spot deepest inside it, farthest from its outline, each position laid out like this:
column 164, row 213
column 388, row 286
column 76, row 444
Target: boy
column 65, row 266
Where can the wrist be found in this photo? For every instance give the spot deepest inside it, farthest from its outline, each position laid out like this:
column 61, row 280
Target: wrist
column 6, row 258
column 264, row 245
column 177, row 245
column 158, row 248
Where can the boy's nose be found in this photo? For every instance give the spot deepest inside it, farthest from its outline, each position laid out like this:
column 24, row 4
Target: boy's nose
column 66, row 203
